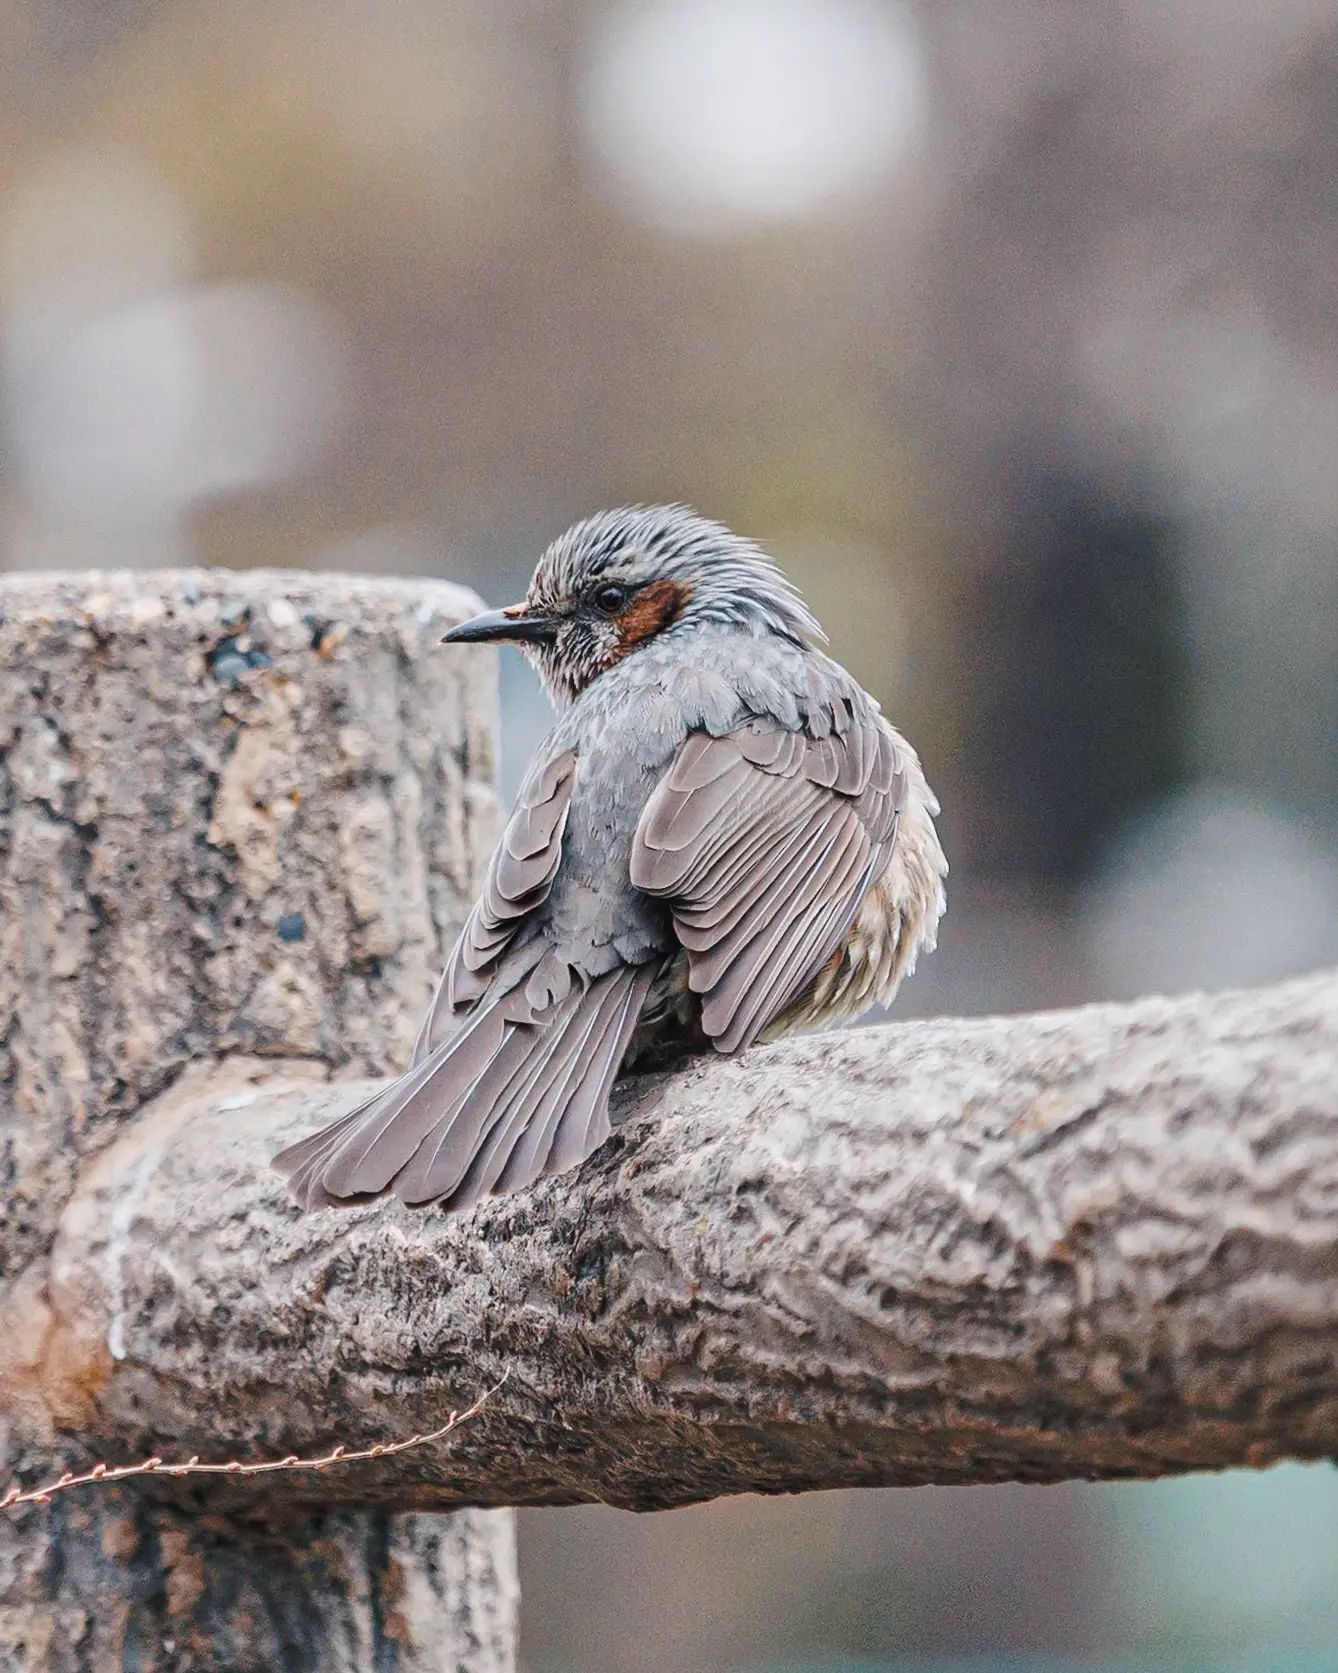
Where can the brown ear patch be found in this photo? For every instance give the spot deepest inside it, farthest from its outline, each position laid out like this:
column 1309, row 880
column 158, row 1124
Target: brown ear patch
column 651, row 611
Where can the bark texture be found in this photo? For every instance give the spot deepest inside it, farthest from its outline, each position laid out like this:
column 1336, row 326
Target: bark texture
column 241, row 819
column 1093, row 1243
column 117, row 1581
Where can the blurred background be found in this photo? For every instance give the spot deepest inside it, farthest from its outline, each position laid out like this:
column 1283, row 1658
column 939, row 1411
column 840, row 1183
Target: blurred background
column 1009, row 326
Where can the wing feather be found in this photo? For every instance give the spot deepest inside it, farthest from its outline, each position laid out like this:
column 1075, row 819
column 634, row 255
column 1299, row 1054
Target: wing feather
column 696, row 763
column 763, row 843
column 688, row 814
column 661, row 870
column 724, row 880
column 784, row 966
column 770, row 747
column 519, row 877
column 779, row 923
column 795, row 871
column 822, row 762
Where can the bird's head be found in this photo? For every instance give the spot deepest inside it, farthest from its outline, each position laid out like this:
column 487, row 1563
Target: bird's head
column 620, row 580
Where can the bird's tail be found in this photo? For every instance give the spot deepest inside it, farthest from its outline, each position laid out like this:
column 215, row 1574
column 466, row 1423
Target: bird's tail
column 509, row 1097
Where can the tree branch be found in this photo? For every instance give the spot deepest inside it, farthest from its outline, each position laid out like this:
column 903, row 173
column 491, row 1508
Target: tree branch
column 1092, row 1243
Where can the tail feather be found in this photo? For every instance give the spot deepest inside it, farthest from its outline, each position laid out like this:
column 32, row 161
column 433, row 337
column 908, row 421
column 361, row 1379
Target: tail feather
column 544, row 1074
column 491, row 1109
column 583, row 1124
column 591, row 1063
column 298, row 1156
column 446, row 1154
column 368, row 1160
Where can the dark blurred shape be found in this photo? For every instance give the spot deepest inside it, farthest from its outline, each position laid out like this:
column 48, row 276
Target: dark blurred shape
column 1078, row 638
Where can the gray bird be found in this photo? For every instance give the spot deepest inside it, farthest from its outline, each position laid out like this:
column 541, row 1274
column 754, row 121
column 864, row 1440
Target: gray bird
column 721, row 840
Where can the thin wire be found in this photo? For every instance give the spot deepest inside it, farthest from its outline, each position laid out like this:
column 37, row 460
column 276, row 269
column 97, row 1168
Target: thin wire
column 235, row 1467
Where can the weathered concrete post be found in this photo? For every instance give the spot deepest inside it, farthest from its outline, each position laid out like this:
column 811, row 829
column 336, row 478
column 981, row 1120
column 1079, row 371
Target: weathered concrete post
column 241, row 817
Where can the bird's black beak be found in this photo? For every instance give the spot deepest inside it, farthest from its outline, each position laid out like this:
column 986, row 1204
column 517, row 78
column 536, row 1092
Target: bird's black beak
column 515, row 622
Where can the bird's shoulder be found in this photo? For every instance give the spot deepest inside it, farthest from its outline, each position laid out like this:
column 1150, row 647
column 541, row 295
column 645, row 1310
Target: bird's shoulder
column 709, row 680
column 611, row 750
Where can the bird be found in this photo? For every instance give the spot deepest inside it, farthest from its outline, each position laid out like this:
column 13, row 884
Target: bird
column 721, row 840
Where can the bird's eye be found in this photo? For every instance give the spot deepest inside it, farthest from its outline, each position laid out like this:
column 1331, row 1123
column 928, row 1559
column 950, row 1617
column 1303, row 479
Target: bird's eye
column 610, row 599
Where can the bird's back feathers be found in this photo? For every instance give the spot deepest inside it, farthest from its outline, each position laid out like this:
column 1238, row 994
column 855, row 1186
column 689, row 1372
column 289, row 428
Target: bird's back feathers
column 696, row 811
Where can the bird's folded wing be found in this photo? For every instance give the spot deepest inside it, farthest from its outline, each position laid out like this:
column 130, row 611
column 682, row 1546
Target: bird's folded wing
column 518, row 879
column 763, row 843
column 510, row 1078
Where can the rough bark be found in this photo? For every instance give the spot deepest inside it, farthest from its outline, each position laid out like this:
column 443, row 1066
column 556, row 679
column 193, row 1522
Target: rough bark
column 241, row 817
column 1093, row 1243
column 118, row 1581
